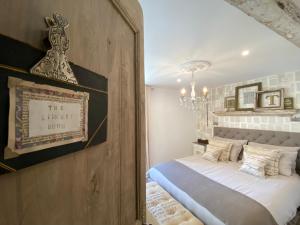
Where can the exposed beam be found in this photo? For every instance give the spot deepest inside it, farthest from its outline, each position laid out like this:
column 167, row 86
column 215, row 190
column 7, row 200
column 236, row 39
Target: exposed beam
column 282, row 16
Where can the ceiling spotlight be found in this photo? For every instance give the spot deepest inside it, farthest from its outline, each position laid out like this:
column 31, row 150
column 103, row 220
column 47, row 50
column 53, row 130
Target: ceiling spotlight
column 178, row 80
column 289, row 35
column 245, row 53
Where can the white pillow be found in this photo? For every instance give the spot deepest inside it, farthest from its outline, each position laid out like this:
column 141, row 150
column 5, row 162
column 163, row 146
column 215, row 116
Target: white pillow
column 237, row 146
column 212, row 153
column 226, row 148
column 271, row 157
column 253, row 164
column 287, row 162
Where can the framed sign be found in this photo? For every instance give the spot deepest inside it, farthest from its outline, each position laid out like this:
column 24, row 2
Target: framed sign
column 56, row 117
column 43, row 116
column 229, row 103
column 289, row 103
column 271, row 99
column 246, row 96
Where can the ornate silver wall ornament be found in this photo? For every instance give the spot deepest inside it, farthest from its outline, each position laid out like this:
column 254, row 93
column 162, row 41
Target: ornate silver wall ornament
column 55, row 64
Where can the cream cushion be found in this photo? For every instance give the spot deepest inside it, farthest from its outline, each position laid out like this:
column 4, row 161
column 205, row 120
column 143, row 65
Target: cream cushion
column 271, row 158
column 237, row 146
column 212, row 153
column 287, row 162
column 225, row 155
column 165, row 209
column 253, row 164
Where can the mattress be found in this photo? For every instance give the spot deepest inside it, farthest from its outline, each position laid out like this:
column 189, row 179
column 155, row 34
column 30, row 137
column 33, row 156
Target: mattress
column 280, row 195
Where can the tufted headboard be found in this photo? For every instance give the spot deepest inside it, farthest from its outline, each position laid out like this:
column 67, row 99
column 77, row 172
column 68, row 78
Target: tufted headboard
column 262, row 136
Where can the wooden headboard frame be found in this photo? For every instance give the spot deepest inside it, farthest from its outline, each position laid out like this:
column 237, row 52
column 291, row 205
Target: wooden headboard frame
column 279, row 138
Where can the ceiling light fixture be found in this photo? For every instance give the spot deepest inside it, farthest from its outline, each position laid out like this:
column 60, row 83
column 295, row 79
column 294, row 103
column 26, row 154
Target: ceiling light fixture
column 245, row 53
column 194, row 102
column 178, row 80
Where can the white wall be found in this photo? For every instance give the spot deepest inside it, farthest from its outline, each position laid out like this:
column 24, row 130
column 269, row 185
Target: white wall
column 171, row 127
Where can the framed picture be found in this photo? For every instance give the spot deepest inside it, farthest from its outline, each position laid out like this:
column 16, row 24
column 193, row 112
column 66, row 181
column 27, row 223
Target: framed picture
column 245, row 96
column 271, row 99
column 288, row 103
column 229, row 103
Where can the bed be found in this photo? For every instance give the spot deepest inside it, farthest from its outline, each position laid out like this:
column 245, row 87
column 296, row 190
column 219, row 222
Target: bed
column 219, row 194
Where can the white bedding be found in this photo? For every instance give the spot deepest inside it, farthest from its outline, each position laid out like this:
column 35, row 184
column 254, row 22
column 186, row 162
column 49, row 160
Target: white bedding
column 280, row 194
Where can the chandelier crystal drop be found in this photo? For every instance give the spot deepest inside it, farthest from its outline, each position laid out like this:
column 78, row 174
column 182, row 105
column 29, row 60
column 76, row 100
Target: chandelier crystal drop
column 194, row 102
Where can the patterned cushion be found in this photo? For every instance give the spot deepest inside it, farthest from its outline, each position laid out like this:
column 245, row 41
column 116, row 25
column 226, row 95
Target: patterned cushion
column 287, row 162
column 237, row 146
column 272, row 158
column 226, row 148
column 212, row 153
column 253, row 164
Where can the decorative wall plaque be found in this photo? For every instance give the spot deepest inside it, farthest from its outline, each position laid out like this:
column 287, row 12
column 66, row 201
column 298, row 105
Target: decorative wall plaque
column 229, row 103
column 55, row 64
column 43, row 116
column 289, row 103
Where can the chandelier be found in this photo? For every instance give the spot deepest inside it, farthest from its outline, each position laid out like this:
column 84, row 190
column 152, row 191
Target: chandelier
column 194, row 102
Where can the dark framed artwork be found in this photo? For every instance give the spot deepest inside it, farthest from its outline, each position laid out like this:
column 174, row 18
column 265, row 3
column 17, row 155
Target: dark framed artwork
column 289, row 103
column 270, row 99
column 89, row 96
column 245, row 96
column 229, row 103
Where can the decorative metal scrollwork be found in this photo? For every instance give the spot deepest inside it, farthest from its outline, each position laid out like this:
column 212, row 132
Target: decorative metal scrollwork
column 55, row 64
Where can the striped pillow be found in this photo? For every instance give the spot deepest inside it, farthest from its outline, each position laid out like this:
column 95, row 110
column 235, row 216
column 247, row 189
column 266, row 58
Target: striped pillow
column 225, row 156
column 272, row 158
column 253, row 164
column 212, row 153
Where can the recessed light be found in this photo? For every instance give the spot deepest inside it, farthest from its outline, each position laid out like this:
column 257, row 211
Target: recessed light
column 178, row 80
column 289, row 35
column 245, row 53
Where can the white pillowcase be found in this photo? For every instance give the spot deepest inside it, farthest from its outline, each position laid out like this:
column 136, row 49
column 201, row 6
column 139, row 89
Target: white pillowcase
column 287, row 162
column 237, row 146
column 225, row 155
column 212, row 153
column 253, row 164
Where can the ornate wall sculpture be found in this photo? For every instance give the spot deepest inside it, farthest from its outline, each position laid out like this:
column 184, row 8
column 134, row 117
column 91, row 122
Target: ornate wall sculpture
column 282, row 16
column 55, row 64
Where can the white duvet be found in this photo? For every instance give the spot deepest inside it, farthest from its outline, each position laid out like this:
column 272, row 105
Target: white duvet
column 279, row 194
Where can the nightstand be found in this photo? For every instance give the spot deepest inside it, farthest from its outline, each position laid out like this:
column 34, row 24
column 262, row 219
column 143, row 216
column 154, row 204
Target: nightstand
column 198, row 148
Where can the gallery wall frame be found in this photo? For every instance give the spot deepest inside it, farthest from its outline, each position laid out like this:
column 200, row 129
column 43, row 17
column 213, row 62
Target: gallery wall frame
column 270, row 99
column 16, row 59
column 245, row 96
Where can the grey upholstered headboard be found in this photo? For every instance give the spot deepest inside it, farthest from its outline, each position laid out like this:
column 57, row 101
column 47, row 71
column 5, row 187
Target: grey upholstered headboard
column 262, row 136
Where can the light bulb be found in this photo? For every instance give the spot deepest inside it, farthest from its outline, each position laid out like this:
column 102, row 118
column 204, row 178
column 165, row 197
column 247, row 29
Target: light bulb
column 205, row 90
column 183, row 91
column 245, row 52
column 178, row 80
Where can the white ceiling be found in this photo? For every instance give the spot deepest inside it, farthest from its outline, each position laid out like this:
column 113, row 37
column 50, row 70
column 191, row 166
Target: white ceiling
column 177, row 31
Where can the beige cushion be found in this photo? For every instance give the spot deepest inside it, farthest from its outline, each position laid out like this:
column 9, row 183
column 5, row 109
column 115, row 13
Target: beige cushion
column 212, row 153
column 237, row 146
column 165, row 209
column 253, row 164
column 287, row 162
column 225, row 155
column 271, row 157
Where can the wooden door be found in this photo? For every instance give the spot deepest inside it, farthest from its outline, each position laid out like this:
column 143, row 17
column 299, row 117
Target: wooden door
column 103, row 185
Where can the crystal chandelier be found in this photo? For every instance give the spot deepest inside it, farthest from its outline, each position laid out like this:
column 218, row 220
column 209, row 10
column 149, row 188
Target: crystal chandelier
column 194, row 102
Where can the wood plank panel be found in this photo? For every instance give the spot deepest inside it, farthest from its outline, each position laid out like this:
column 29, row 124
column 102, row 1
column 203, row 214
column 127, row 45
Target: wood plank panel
column 88, row 187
